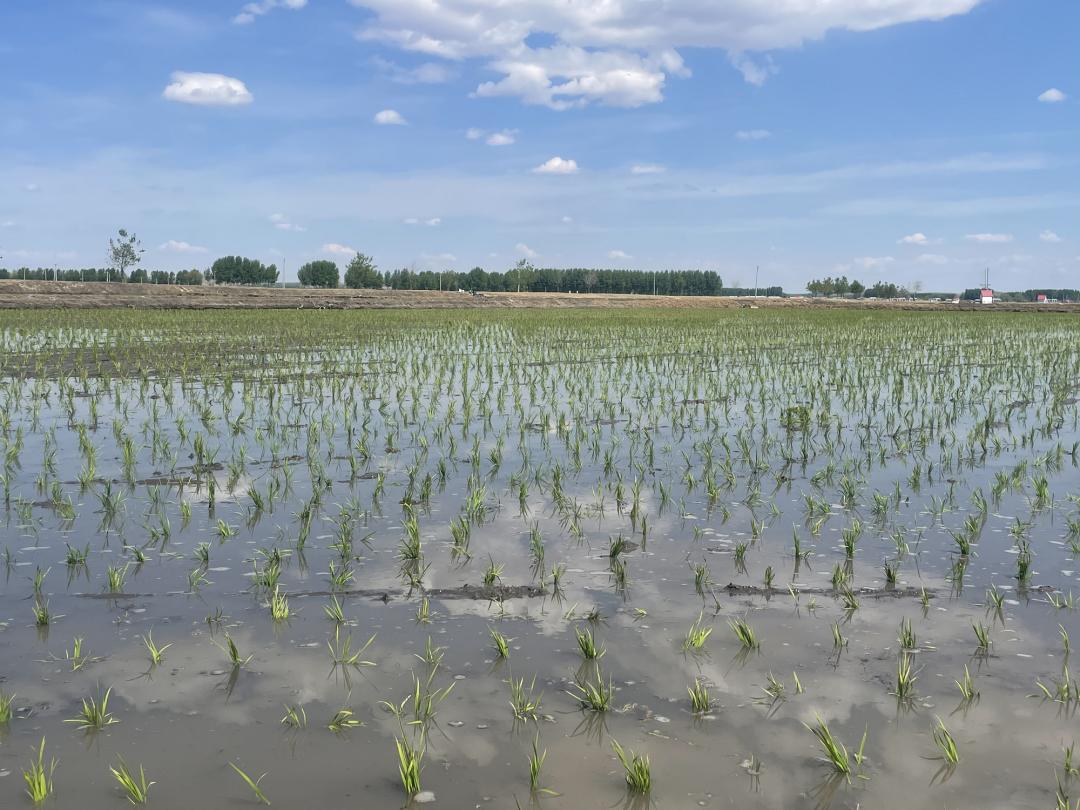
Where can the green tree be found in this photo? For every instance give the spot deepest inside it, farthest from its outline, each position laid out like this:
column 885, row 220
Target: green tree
column 362, row 273
column 240, row 270
column 125, row 251
column 321, row 273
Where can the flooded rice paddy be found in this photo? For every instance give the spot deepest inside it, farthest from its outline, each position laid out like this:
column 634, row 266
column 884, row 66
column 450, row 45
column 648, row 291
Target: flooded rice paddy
column 383, row 554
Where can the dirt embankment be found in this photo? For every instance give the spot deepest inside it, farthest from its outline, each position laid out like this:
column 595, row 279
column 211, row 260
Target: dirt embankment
column 15, row 294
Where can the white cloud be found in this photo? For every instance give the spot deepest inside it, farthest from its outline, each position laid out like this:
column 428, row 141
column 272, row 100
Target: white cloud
column 207, row 89
column 557, row 165
column 334, row 249
column 389, row 117
column 619, row 255
column 647, row 168
column 176, row 246
column 753, row 134
column 31, row 187
column 1049, row 236
column 252, row 10
column 914, row 239
column 281, row 222
column 504, row 138
column 990, row 238
column 427, row 73
column 1052, row 96
column 620, row 52
column 873, row 262
column 932, row 258
column 754, row 72
column 431, row 223
column 474, row 134
column 525, row 250
column 566, row 220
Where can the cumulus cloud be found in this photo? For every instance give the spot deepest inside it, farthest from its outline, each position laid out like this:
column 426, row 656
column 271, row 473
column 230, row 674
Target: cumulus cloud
column 619, row 255
column 557, row 165
column 753, row 134
column 1052, row 96
column 207, row 89
column 474, row 134
column 281, row 222
column 504, row 138
column 525, row 250
column 647, row 168
column 389, row 118
column 621, row 52
column 334, row 249
column 990, row 238
column 1049, row 236
column 178, row 246
column 250, row 11
column 914, row 239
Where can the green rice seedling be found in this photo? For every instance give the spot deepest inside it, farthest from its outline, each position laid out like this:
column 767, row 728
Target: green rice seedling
column 202, row 554
column 334, row 611
column 769, row 574
column 500, row 643
column 745, row 634
column 95, row 714
column 423, row 612
column 343, row 720
column 798, row 684
column 702, row 578
column 279, row 606
column 224, row 530
column 905, row 678
column 410, row 760
column 295, row 717
column 1065, row 691
column 433, row 655
column 840, row 577
column 907, row 637
column 38, row 777
column 836, row 754
column 1065, row 646
column 587, row 645
column 700, row 700
column 945, row 742
column 340, row 576
column 967, row 687
column 137, row 790
column 76, row 557
column 740, row 555
column 75, row 656
column 636, row 766
column 342, row 653
column 197, row 579
column 696, row 636
column 524, row 702
column 892, row 570
column 839, row 642
column 849, row 601
column 536, row 764
column 252, row 783
column 5, row 707
column 850, row 536
column 774, row 690
column 594, row 695
column 616, row 546
column 492, row 574
column 982, row 636
column 115, row 576
column 39, row 580
column 1070, row 767
column 232, row 651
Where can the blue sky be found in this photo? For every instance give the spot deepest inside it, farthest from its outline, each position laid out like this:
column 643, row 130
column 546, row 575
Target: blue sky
column 908, row 140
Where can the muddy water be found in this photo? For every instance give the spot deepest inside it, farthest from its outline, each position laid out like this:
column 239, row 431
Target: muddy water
column 530, row 398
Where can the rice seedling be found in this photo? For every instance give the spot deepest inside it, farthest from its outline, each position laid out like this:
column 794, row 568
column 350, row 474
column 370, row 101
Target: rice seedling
column 5, row 707
column 42, row 616
column 295, row 717
column 254, row 784
column 587, row 645
column 423, row 612
column 967, row 687
column 523, row 701
column 536, row 763
column 95, row 714
column 636, row 767
column 905, row 678
column 745, row 634
column 343, row 720
column 835, row 752
column 839, row 641
column 595, row 695
column 700, row 700
column 410, row 760
column 232, row 651
column 492, row 574
column 774, row 690
column 341, row 651
column 115, row 576
column 136, row 789
column 500, row 643
column 982, row 636
column 39, row 777
column 907, row 637
column 334, row 611
column 279, row 606
column 696, row 636
column 945, row 742
column 433, row 655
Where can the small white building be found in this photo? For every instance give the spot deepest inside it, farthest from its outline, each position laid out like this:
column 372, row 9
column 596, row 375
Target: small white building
column 987, row 296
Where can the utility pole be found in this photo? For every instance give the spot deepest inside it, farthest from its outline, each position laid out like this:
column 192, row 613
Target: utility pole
column 757, row 268
column 654, row 283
